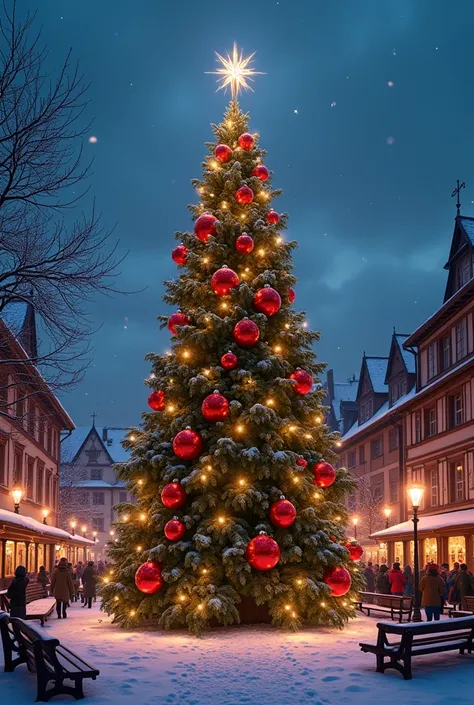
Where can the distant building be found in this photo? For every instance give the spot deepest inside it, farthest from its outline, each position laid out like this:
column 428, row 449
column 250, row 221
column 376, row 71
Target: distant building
column 89, row 485
column 341, row 400
column 31, row 420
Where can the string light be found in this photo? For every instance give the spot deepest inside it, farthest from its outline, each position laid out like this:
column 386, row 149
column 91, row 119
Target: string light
column 206, row 372
column 224, row 205
column 209, row 467
column 299, row 581
column 186, row 354
column 203, row 478
column 116, row 598
column 140, row 482
column 287, row 326
column 132, row 613
column 339, row 444
column 247, row 269
column 170, row 408
column 132, row 437
column 344, row 603
column 317, row 419
column 337, row 518
column 317, row 495
column 204, row 571
column 242, row 217
column 242, row 482
column 152, row 375
column 270, row 402
column 293, row 614
column 307, row 435
column 213, row 164
column 288, row 608
column 264, row 194
column 239, row 428
column 296, row 479
column 292, row 428
column 125, row 518
column 200, row 607
column 261, row 252
column 182, row 598
column 221, row 520
column 142, row 516
column 211, row 195
column 229, row 123
column 323, row 604
column 305, row 324
column 139, row 549
column 106, row 580
column 224, row 305
column 205, row 260
column 201, row 190
column 277, row 349
column 278, row 240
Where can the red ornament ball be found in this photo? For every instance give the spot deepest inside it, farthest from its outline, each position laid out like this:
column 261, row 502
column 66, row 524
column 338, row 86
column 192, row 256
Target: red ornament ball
column 282, row 513
column 246, row 333
column 177, row 319
column 267, row 301
column 263, row 552
column 291, row 295
column 272, row 217
column 261, row 172
column 223, row 281
column 175, row 530
column 204, row 226
column 148, row 578
column 188, row 444
column 156, row 400
column 339, row 580
column 302, row 463
column 244, row 244
column 324, row 474
column 215, row 407
column 180, row 254
column 229, row 361
column 246, row 141
column 303, row 381
column 173, row 495
column 244, row 195
column 223, row 153
column 355, row 550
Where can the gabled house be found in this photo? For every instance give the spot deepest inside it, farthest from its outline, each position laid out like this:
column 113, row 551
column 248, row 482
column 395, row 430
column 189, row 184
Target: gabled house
column 372, row 390
column 341, row 403
column 460, row 260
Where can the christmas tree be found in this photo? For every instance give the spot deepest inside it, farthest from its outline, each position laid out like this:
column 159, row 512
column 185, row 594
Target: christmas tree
column 239, row 509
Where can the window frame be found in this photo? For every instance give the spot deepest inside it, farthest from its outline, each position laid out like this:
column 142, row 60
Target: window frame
column 352, row 456
column 446, row 351
column 461, row 351
column 376, row 443
column 97, row 471
column 362, row 454
column 432, row 360
column 417, row 424
column 97, row 495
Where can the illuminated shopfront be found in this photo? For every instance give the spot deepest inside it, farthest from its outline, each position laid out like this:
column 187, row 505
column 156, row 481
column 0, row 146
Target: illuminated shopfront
column 430, row 554
column 457, row 549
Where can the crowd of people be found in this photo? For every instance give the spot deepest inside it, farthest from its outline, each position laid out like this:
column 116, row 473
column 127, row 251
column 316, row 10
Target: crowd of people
column 438, row 584
column 67, row 583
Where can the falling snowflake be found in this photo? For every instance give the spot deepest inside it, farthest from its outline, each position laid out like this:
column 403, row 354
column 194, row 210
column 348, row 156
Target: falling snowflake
column 390, row 140
column 333, row 104
column 295, row 111
column 390, row 84
column 394, row 52
column 92, row 139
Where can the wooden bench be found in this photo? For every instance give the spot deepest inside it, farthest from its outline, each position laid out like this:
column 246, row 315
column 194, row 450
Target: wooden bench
column 46, row 657
column 460, row 610
column 37, row 606
column 418, row 639
column 395, row 605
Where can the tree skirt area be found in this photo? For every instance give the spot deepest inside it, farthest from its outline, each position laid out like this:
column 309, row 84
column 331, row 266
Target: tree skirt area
column 249, row 665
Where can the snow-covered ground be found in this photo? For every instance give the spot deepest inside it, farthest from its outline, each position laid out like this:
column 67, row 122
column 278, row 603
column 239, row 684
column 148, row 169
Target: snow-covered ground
column 242, row 665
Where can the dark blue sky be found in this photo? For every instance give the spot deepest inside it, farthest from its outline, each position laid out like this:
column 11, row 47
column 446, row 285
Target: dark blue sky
column 367, row 182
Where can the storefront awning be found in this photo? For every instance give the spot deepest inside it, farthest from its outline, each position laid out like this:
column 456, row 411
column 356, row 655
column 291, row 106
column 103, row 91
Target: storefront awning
column 39, row 530
column 429, row 524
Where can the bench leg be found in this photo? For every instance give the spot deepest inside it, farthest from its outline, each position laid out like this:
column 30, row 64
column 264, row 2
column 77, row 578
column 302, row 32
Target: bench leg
column 380, row 663
column 59, row 688
column 407, row 668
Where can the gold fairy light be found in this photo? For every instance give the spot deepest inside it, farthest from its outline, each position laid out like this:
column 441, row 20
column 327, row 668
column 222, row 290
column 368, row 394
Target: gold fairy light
column 235, row 72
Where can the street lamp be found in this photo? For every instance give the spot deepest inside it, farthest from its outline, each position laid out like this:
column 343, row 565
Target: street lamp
column 73, row 526
column 84, row 529
column 388, row 513
column 355, row 521
column 415, row 495
column 45, row 514
column 17, row 494
column 94, row 534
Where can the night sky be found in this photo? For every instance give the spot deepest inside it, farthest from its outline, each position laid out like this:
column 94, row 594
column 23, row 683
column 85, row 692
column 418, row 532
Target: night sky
column 367, row 113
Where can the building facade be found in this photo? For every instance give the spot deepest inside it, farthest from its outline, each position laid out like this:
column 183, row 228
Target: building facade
column 31, row 421
column 90, row 489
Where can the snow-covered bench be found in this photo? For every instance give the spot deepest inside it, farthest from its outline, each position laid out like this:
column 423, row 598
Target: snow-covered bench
column 37, row 606
column 418, row 639
column 464, row 610
column 46, row 657
column 394, row 605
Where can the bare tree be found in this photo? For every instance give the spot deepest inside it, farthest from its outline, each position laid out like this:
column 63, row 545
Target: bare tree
column 369, row 507
column 74, row 499
column 55, row 261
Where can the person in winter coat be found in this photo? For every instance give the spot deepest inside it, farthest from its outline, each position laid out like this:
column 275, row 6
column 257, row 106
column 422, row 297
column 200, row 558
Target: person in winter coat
column 16, row 593
column 43, row 579
column 62, row 587
column 464, row 584
column 397, row 580
column 369, row 578
column 410, row 580
column 89, row 579
column 382, row 582
column 432, row 590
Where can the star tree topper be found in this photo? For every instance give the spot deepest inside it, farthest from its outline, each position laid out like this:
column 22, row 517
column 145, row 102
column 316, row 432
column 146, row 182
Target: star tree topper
column 235, row 71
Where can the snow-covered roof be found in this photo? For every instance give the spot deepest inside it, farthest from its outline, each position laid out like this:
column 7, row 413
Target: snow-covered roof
column 343, row 391
column 384, row 410
column 100, row 484
column 13, row 315
column 71, row 445
column 377, row 369
column 39, row 528
column 429, row 523
column 408, row 357
column 468, row 226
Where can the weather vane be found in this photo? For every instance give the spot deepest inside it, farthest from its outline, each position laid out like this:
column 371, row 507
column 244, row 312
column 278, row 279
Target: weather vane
column 235, row 72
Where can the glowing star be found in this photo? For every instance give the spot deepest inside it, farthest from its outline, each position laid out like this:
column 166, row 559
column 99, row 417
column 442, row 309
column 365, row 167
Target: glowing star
column 235, row 72
column 92, row 139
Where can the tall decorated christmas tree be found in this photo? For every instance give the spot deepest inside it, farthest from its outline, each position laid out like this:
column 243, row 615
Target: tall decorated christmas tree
column 240, row 514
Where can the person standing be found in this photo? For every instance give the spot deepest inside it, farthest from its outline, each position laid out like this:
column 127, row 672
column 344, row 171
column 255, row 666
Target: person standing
column 397, row 580
column 382, row 582
column 410, row 580
column 62, row 588
column 369, row 578
column 464, row 584
column 43, row 579
column 432, row 590
column 16, row 593
column 89, row 579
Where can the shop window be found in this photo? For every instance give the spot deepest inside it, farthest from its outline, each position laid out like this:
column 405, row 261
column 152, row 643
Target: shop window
column 398, row 552
column 457, row 549
column 9, row 558
column 20, row 553
column 431, row 551
column 40, row 555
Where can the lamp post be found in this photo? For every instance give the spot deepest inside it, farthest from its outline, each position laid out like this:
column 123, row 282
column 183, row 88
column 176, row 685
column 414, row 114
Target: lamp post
column 94, row 534
column 73, row 526
column 45, row 513
column 17, row 494
column 84, row 529
column 355, row 521
column 415, row 495
column 388, row 513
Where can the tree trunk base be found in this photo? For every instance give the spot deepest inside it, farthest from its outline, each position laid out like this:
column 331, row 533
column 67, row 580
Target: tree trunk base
column 251, row 613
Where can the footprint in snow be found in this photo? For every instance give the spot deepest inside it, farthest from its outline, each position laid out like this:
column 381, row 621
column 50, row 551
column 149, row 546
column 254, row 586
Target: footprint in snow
column 355, row 689
column 329, row 679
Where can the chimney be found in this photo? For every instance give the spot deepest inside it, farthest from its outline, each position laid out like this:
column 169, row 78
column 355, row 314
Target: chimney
column 104, row 434
column 330, row 380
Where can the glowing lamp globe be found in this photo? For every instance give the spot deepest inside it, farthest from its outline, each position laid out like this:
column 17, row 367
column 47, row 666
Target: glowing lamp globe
column 229, row 361
column 267, row 301
column 262, row 552
column 148, row 578
column 180, row 254
column 223, row 153
column 246, row 333
column 244, row 195
column 173, row 495
column 272, row 217
column 175, row 529
column 355, row 550
column 339, row 580
column 282, row 513
column 302, row 463
column 215, row 407
column 324, row 474
column 261, row 172
column 291, row 295
column 177, row 319
column 223, row 281
column 244, row 244
column 303, row 381
column 205, row 226
column 246, row 141
column 188, row 444
column 156, row 400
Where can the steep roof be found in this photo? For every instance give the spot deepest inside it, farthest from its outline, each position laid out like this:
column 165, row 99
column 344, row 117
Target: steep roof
column 377, row 369
column 343, row 391
column 467, row 225
column 19, row 316
column 14, row 315
column 72, row 445
column 407, row 356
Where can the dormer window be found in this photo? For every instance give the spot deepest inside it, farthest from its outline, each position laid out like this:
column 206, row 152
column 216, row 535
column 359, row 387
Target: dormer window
column 432, row 360
column 463, row 271
column 366, row 410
